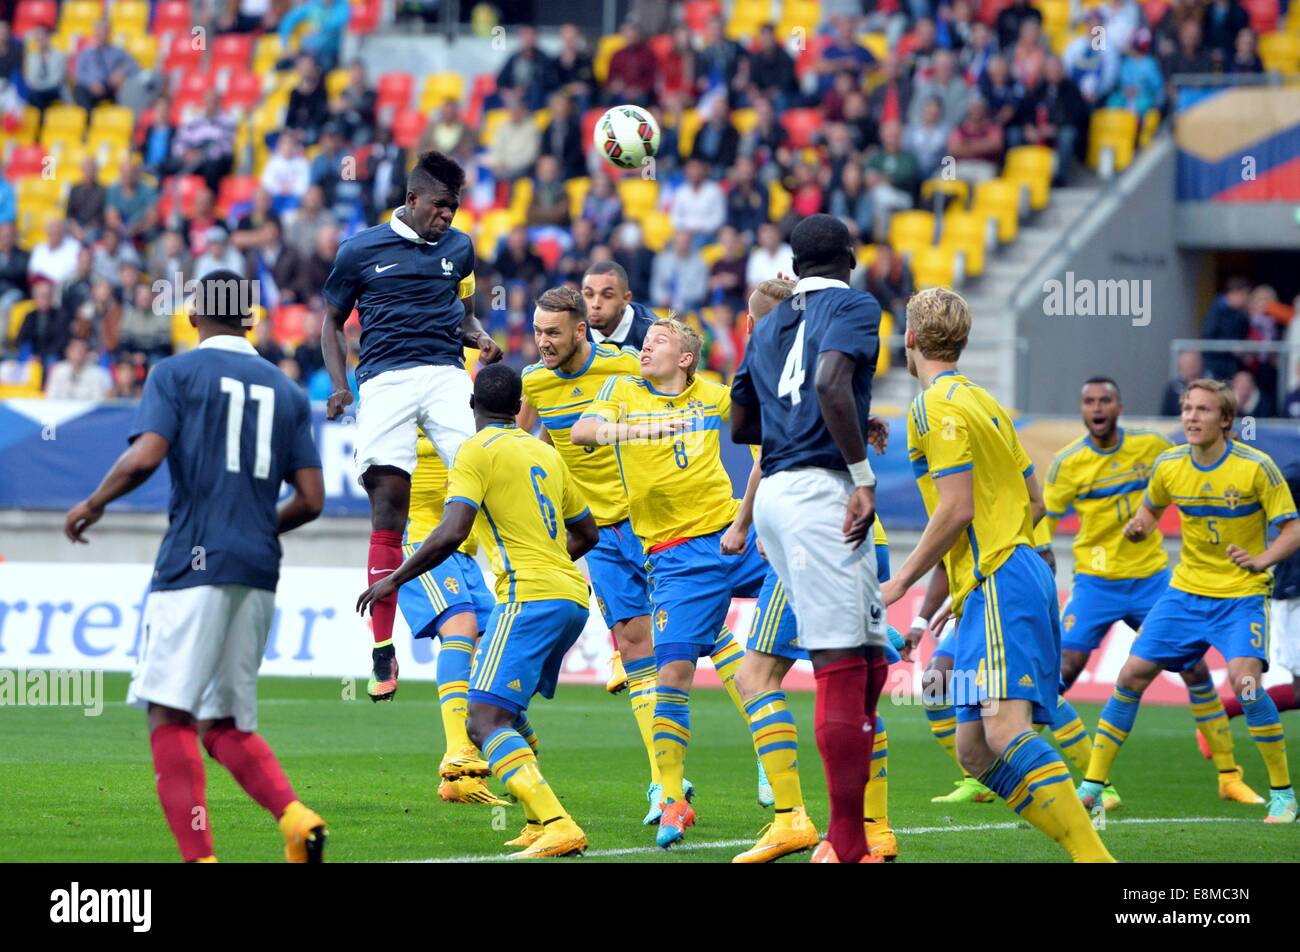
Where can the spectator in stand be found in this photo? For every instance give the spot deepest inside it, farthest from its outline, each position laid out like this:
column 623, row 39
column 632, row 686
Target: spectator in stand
column 892, row 98
column 698, row 206
column 1245, row 59
column 86, row 202
column 977, row 144
column 769, row 257
column 889, row 279
column 955, row 26
column 862, row 129
column 771, row 70
column 309, row 106
column 279, row 268
column 550, row 203
column 146, row 336
column 1092, row 62
column 765, row 144
column 1190, row 55
column 105, row 313
column 1227, row 320
column 287, row 174
column 916, row 50
column 45, row 330
column 1141, row 87
column 307, row 355
column 563, row 138
column 630, row 252
column 519, row 262
column 516, row 143
column 602, row 207
column 303, row 224
column 720, row 345
column 1009, row 21
column 76, row 377
column 1001, row 91
column 320, row 262
column 1222, row 21
column 446, row 131
column 893, row 176
column 945, row 84
column 354, row 109
column 578, row 256
column 131, row 204
column 678, row 72
column 1122, row 19
column 679, row 279
column 250, row 16
column 1030, row 50
column 13, row 271
column 198, row 227
column 976, row 53
column 844, row 54
column 633, row 69
column 127, row 383
column 76, row 290
column 327, row 167
column 1267, row 324
column 1291, row 401
column 218, row 255
column 55, row 258
column 45, row 70
column 1251, row 400
column 727, row 275
column 386, row 174
column 264, row 342
column 722, row 66
column 806, row 195
column 851, row 202
column 204, row 143
column 839, row 154
column 717, row 141
column 11, row 53
column 1190, row 368
column 321, row 41
column 1057, row 98
column 927, row 138
column 154, row 132
column 573, row 67
column 110, row 253
column 529, row 72
column 8, row 202
column 100, row 69
column 170, row 256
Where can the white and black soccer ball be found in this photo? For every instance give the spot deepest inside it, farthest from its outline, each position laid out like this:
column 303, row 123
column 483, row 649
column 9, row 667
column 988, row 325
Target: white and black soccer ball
column 626, row 136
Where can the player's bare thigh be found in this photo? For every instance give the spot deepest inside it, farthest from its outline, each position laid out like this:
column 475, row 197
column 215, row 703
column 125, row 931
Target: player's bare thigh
column 389, row 491
column 633, row 637
column 761, row 672
column 159, row 715
column 935, row 681
column 980, row 742
column 1072, row 665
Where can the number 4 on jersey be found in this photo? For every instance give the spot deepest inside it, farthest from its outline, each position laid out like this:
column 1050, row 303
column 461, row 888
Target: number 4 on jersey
column 792, row 374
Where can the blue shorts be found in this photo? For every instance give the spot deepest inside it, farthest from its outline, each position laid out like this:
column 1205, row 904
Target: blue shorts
column 617, row 568
column 1009, row 640
column 454, row 586
column 691, row 587
column 523, row 650
column 1181, row 626
column 1097, row 603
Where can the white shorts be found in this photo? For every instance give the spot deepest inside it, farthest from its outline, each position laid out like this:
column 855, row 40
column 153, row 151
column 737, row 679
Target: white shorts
column 201, row 650
column 833, row 590
column 1284, row 625
column 395, row 403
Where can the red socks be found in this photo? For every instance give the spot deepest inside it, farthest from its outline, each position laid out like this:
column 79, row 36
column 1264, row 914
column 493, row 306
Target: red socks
column 1283, row 696
column 253, row 765
column 178, row 770
column 845, row 735
column 385, row 556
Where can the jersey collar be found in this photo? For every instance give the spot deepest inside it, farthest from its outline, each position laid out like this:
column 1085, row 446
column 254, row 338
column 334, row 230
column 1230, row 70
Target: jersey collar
column 591, row 357
column 818, row 284
column 620, row 332
column 946, row 373
column 660, row 393
column 402, row 228
column 231, row 344
column 1114, row 449
column 1227, row 451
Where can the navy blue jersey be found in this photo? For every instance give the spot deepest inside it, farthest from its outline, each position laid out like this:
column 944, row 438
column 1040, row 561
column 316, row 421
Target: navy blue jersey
column 780, row 366
column 407, row 292
column 633, row 335
column 1286, row 574
column 238, row 427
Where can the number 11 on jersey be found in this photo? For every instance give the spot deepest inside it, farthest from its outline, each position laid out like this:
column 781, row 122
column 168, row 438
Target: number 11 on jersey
column 792, row 374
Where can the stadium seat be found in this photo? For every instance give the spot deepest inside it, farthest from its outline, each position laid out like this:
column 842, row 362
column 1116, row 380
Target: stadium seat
column 639, row 196
column 25, row 160
column 394, row 90
column 934, row 267
column 365, row 18
column 107, row 119
column 268, row 51
column 184, row 335
column 17, row 314
column 744, row 119
column 464, row 220
column 798, row 15
column 25, row 131
column 1263, row 15
column 37, row 192
column 1000, row 198
column 1280, row 52
column 778, row 201
column 747, row 17
column 142, row 47
column 232, row 52
column 711, row 254
column 182, row 56
column 440, row 88
column 606, row 47
column 408, row 124
column 521, row 196
column 809, row 54
column 235, row 190
column 549, row 250
column 492, row 227
column 336, row 81
column 687, row 131
column 656, row 229
column 185, row 104
column 128, row 18
column 876, row 43
column 78, row 17
column 662, row 47
column 800, row 125
column 910, row 230
column 172, row 16
column 866, row 255
column 243, row 92
column 966, row 233
column 492, row 120
column 577, row 189
column 182, row 188
column 698, row 13
column 1112, row 135
column 34, row 13
column 192, row 83
column 1032, row 165
column 110, row 157
column 289, row 324
column 958, row 188
column 589, row 119
column 63, row 123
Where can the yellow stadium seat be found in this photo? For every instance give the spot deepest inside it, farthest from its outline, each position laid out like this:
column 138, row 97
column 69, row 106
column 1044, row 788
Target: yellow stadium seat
column 63, row 122
column 744, row 119
column 639, row 196
column 866, row 255
column 109, row 118
column 656, row 229
column 712, row 253
column 1056, row 13
column 336, row 81
column 877, row 43
column 884, row 358
column 184, row 336
column 542, row 119
column 28, row 128
column 464, row 220
column 778, row 201
column 577, row 189
column 142, row 47
column 747, row 17
column 606, row 47
column 1001, row 198
column 1114, row 131
column 67, row 166
column 440, row 88
column 521, row 196
column 941, row 186
column 1280, row 52
column 266, row 53
column 687, row 131
column 967, row 233
column 35, row 191
column 110, row 157
column 17, row 314
column 492, row 120
column 78, row 17
column 1031, row 165
column 1150, row 126
column 492, row 227
column 129, row 17
column 910, row 230
column 934, row 267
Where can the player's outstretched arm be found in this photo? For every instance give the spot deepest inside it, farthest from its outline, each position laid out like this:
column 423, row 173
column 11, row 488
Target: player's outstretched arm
column 446, row 538
column 132, row 468
column 955, row 511
column 734, row 539
column 583, row 536
column 593, row 431
column 1284, row 546
column 473, row 335
column 839, row 409
column 306, row 503
column 334, row 350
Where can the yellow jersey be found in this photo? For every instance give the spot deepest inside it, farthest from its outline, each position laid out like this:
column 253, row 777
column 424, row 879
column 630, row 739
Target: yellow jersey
column 1042, row 535
column 677, row 487
column 560, row 400
column 524, row 497
column 428, row 493
column 1105, row 488
column 1232, row 502
column 954, row 426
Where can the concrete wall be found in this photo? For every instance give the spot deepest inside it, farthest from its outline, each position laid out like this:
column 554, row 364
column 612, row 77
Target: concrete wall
column 1130, row 235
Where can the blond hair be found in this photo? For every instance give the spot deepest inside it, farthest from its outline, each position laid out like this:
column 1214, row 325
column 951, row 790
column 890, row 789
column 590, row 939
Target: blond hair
column 775, row 290
column 940, row 320
column 687, row 336
column 1227, row 399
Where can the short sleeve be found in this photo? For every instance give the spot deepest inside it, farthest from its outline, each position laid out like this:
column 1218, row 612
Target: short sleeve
column 608, row 405
column 1157, row 495
column 159, row 410
column 343, row 286
column 575, row 507
column 1059, row 493
column 469, row 475
column 742, row 385
column 945, row 438
column 304, row 454
column 855, row 331
column 1274, row 493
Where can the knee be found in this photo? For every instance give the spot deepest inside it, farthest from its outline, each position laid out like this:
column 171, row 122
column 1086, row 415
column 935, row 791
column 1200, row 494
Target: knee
column 483, row 720
column 934, row 695
column 974, row 758
column 1135, row 680
column 1071, row 666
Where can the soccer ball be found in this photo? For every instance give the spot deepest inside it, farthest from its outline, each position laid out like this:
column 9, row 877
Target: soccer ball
column 626, row 135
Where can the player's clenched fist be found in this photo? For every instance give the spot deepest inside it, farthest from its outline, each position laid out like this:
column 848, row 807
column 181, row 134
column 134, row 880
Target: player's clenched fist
column 80, row 518
column 375, row 593
column 1244, row 559
column 338, row 401
column 488, row 351
column 861, row 512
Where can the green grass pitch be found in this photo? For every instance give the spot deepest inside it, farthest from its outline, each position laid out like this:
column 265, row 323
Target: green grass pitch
column 77, row 788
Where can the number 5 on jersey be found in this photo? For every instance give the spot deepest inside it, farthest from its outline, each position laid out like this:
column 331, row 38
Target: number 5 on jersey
column 792, row 374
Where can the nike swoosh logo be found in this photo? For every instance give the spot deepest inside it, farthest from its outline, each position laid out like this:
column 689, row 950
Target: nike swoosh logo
column 379, row 270
column 381, row 571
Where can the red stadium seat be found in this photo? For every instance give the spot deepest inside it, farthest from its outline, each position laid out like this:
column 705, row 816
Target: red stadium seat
column 190, row 83
column 232, row 51
column 800, row 124
column 485, row 85
column 365, row 16
column 33, row 13
column 662, row 47
column 989, row 10
column 700, row 12
column 589, row 120
column 25, row 160
column 807, row 59
column 1263, row 15
column 289, row 324
column 549, row 250
column 183, row 103
column 394, row 90
column 407, row 126
column 243, row 92
column 172, row 16
column 181, row 54
column 184, row 187
column 235, row 190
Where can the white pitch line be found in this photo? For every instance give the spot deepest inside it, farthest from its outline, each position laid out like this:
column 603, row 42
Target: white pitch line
column 902, row 831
